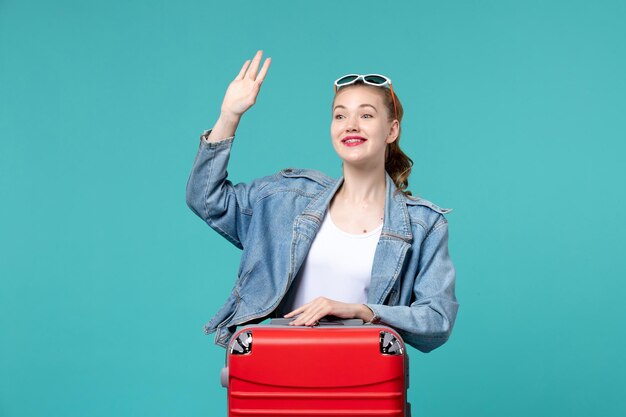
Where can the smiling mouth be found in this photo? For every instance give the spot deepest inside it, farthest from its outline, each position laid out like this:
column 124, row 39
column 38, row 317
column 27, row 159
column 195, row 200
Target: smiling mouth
column 353, row 140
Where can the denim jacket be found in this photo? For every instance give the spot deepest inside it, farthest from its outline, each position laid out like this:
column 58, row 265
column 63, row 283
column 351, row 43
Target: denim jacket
column 274, row 220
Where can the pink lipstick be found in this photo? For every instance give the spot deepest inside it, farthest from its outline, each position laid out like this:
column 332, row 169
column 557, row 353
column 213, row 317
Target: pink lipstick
column 353, row 140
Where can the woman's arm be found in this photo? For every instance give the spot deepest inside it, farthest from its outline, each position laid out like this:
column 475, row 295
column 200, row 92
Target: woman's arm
column 224, row 128
column 222, row 205
column 427, row 323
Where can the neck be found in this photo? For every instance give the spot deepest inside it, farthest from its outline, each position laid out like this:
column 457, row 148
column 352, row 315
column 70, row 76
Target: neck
column 363, row 185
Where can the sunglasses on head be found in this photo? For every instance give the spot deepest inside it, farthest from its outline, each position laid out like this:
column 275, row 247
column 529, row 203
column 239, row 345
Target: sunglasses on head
column 370, row 79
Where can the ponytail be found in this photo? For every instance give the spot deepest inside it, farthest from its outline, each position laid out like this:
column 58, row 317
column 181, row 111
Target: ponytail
column 397, row 164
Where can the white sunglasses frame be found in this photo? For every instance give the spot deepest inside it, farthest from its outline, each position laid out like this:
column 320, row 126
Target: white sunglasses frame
column 362, row 77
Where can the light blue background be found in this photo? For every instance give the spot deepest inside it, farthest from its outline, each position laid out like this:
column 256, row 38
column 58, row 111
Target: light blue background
column 515, row 117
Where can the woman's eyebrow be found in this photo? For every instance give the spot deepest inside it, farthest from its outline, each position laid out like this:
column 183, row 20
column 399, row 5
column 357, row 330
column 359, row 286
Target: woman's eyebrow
column 362, row 105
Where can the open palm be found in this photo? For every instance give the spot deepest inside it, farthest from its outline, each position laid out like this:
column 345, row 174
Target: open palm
column 243, row 90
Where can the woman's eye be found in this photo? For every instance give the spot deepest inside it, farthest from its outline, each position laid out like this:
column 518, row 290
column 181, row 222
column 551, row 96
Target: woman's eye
column 338, row 116
column 367, row 116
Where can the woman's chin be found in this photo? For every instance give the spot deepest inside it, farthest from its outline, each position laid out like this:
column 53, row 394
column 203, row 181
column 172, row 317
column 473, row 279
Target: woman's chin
column 357, row 157
column 352, row 158
column 361, row 164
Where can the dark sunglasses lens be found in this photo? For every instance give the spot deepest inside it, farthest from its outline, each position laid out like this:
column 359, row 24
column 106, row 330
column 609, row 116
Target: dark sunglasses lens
column 347, row 79
column 375, row 79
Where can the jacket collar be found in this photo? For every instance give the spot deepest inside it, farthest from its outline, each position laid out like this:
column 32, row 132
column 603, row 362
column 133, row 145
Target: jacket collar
column 396, row 222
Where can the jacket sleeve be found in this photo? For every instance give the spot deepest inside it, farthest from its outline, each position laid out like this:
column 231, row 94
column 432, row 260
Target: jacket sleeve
column 427, row 323
column 224, row 206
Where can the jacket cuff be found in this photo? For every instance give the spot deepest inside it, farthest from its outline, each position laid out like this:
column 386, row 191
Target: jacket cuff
column 204, row 140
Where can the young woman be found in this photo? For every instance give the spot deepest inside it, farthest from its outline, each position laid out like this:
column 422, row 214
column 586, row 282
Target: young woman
column 356, row 247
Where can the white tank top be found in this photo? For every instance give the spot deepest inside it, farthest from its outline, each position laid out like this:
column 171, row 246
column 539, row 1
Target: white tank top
column 338, row 266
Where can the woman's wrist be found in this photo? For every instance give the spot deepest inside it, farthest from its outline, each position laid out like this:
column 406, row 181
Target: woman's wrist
column 225, row 127
column 229, row 118
column 364, row 313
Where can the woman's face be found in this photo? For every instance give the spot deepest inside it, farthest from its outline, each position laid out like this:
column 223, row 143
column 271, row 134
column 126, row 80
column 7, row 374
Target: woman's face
column 360, row 128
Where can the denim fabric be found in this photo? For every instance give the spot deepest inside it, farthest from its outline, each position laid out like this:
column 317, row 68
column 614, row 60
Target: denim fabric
column 274, row 220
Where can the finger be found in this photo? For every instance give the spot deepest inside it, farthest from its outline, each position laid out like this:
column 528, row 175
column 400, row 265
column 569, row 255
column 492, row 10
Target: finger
column 310, row 317
column 296, row 311
column 297, row 321
column 289, row 315
column 314, row 320
column 301, row 319
column 254, row 67
column 264, row 68
column 243, row 70
column 306, row 322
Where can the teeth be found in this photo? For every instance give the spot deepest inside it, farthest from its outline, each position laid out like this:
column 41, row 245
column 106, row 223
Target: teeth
column 354, row 140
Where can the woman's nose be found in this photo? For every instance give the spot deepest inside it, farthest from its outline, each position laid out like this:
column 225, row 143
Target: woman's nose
column 352, row 124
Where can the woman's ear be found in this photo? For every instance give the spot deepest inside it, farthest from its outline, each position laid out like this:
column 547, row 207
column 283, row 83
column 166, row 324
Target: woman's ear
column 394, row 131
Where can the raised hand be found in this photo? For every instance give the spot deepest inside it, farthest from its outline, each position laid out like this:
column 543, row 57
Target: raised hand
column 240, row 96
column 243, row 90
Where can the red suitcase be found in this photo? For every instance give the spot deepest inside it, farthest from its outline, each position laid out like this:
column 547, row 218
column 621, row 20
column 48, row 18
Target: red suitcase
column 339, row 368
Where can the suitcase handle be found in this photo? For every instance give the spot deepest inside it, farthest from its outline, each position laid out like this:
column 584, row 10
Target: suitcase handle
column 323, row 322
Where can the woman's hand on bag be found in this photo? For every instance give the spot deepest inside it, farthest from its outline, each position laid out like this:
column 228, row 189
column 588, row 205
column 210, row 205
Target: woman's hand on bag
column 311, row 313
column 243, row 90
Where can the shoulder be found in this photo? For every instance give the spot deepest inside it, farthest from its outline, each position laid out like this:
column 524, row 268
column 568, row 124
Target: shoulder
column 306, row 175
column 425, row 212
column 422, row 202
column 300, row 181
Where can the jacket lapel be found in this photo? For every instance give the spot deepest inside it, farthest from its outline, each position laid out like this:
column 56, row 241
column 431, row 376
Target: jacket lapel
column 395, row 241
column 306, row 226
